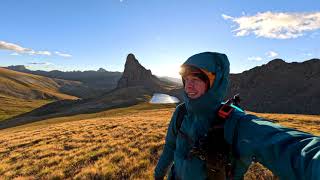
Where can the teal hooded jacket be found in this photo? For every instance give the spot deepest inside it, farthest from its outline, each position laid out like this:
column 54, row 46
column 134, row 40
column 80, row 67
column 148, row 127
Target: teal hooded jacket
column 289, row 153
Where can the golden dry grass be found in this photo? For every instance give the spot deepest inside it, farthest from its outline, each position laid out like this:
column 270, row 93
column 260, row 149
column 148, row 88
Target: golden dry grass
column 18, row 84
column 117, row 144
column 307, row 123
column 11, row 106
column 23, row 92
column 114, row 147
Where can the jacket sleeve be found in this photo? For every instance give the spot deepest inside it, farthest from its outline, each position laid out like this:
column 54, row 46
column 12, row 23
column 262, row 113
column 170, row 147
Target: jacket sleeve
column 167, row 155
column 288, row 153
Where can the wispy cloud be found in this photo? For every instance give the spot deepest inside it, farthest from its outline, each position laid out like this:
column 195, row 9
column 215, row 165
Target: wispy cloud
column 63, row 54
column 14, row 54
column 307, row 54
column 272, row 54
column 224, row 16
column 22, row 50
column 276, row 25
column 46, row 53
column 41, row 63
column 13, row 47
column 255, row 58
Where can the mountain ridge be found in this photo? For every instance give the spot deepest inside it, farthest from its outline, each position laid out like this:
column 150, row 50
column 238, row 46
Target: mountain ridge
column 279, row 87
column 93, row 82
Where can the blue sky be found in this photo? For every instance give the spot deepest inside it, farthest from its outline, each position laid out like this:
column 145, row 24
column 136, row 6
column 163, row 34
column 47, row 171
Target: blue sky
column 86, row 35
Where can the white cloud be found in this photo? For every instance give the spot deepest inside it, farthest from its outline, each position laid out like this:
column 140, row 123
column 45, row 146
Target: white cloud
column 63, row 54
column 19, row 49
column 226, row 17
column 15, row 54
column 255, row 58
column 22, row 50
column 41, row 63
column 272, row 54
column 307, row 54
column 47, row 53
column 276, row 25
column 13, row 47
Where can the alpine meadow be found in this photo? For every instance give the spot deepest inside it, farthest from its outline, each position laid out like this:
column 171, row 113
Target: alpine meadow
column 159, row 90
column 122, row 143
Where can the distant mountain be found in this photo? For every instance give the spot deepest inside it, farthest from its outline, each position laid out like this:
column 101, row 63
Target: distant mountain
column 28, row 86
column 19, row 68
column 171, row 80
column 94, row 82
column 279, row 87
column 102, row 70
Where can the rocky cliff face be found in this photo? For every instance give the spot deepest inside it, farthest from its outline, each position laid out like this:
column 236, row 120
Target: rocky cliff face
column 279, row 87
column 136, row 75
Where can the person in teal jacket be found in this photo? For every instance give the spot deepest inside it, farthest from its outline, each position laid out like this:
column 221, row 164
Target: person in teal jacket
column 288, row 153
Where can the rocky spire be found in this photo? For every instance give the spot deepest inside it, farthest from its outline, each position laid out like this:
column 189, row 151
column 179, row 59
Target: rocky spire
column 136, row 75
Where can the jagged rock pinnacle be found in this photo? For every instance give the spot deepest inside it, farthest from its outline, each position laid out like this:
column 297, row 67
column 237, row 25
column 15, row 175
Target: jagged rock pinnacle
column 136, row 75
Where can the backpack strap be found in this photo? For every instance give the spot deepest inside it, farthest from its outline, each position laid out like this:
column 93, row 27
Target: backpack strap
column 180, row 116
column 224, row 112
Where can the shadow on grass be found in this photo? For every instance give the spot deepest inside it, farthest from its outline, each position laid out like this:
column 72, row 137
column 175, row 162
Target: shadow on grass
column 64, row 108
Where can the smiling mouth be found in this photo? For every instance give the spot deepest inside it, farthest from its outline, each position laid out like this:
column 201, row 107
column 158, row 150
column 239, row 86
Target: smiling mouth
column 191, row 94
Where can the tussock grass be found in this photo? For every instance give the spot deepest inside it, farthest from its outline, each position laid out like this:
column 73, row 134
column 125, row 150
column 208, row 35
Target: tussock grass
column 307, row 123
column 114, row 147
column 122, row 143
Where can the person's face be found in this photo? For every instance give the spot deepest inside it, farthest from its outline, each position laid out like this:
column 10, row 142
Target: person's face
column 194, row 87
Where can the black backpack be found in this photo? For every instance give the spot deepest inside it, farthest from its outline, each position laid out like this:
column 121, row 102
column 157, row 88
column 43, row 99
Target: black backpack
column 212, row 147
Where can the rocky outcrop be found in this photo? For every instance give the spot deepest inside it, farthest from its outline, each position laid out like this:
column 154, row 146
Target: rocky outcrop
column 136, row 75
column 279, row 87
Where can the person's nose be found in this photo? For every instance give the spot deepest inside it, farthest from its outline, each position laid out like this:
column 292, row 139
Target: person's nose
column 189, row 84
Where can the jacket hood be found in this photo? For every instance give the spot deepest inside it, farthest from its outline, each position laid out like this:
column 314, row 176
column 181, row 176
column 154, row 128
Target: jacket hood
column 216, row 63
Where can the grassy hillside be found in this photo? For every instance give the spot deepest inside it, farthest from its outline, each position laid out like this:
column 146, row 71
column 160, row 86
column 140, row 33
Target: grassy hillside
column 121, row 143
column 28, row 86
column 11, row 106
column 22, row 92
